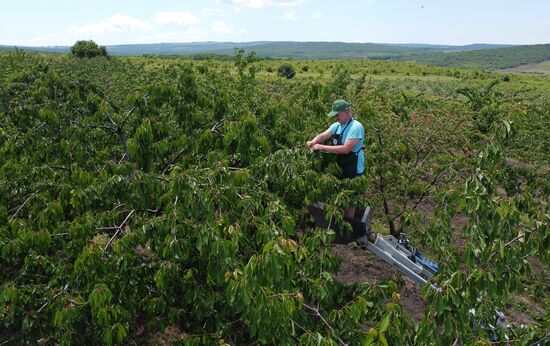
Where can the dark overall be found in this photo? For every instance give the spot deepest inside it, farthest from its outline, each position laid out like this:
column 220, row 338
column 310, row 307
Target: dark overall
column 348, row 162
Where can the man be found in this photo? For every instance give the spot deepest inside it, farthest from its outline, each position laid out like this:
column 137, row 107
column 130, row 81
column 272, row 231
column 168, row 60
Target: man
column 346, row 137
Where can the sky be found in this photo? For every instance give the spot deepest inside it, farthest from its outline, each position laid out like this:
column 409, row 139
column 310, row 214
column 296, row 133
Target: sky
column 109, row 22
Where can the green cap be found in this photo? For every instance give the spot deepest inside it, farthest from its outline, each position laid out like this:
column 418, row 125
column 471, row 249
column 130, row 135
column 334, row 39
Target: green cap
column 337, row 107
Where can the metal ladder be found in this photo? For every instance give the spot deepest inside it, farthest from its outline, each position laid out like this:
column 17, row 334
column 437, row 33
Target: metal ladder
column 396, row 253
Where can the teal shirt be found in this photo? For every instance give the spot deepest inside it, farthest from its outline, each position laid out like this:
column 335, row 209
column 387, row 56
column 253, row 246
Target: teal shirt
column 354, row 130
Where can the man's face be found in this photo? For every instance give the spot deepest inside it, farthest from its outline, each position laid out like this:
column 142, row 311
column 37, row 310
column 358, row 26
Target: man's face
column 342, row 117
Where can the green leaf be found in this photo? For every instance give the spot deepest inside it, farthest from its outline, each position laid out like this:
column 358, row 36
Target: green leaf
column 384, row 323
column 448, row 326
column 383, row 339
column 439, row 305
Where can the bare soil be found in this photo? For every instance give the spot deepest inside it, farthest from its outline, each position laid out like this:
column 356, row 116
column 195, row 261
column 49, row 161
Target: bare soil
column 360, row 266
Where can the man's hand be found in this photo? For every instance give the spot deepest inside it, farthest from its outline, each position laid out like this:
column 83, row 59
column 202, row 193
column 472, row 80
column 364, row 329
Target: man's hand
column 320, row 138
column 316, row 146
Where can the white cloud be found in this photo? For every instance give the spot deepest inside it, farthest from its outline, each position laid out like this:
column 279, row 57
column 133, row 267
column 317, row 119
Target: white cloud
column 221, row 27
column 164, row 26
column 159, row 37
column 317, row 15
column 46, row 40
column 188, row 35
column 191, row 35
column 116, row 23
column 266, row 3
column 207, row 11
column 290, row 16
column 242, row 32
column 288, row 3
column 109, row 31
column 125, row 29
column 249, row 3
column 178, row 18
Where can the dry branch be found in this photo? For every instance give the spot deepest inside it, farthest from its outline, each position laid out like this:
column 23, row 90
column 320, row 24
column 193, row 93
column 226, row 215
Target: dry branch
column 22, row 205
column 119, row 229
column 318, row 314
column 174, row 160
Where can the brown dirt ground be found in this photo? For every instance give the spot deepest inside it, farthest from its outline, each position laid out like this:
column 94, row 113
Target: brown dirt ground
column 538, row 169
column 360, row 266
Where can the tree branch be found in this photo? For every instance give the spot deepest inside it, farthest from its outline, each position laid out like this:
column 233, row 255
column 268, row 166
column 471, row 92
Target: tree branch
column 119, row 229
column 218, row 124
column 145, row 99
column 424, row 194
column 75, row 123
column 515, row 239
column 314, row 310
column 128, row 112
column 22, row 205
column 174, row 160
column 55, row 296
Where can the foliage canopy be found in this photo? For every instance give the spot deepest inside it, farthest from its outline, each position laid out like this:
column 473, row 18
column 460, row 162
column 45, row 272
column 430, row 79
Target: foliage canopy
column 141, row 196
column 88, row 49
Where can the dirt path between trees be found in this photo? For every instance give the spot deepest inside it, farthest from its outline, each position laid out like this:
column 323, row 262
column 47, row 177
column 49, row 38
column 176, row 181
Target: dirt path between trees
column 360, row 266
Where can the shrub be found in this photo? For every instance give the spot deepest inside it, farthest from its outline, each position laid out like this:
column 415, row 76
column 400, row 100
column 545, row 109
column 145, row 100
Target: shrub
column 202, row 69
column 87, row 49
column 287, row 71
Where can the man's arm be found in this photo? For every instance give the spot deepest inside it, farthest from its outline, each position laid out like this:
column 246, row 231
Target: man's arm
column 320, row 138
column 346, row 148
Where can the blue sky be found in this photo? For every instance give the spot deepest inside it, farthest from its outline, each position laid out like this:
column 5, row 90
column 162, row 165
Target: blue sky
column 62, row 22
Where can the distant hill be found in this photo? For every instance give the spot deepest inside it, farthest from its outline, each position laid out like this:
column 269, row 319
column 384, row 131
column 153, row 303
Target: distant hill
column 281, row 49
column 449, row 48
column 541, row 69
column 498, row 58
column 309, row 50
column 479, row 56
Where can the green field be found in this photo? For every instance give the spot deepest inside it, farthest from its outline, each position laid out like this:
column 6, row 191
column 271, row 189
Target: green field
column 148, row 200
column 476, row 56
column 542, row 68
column 490, row 59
